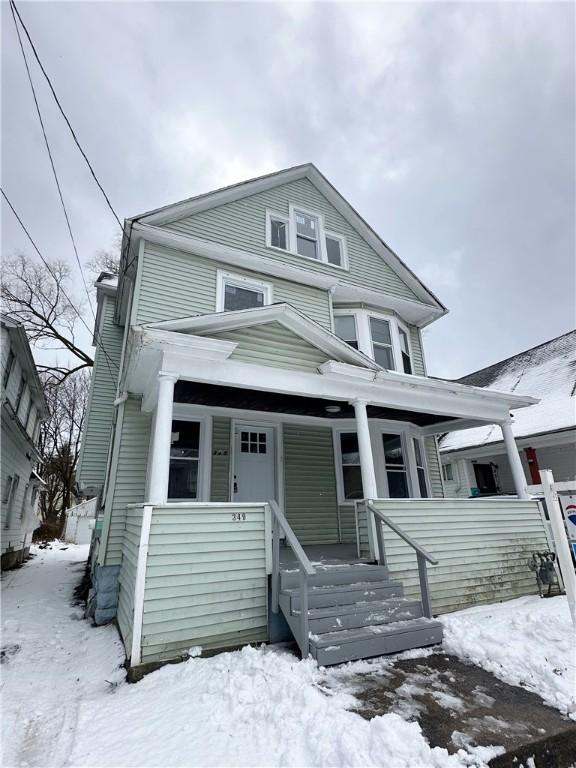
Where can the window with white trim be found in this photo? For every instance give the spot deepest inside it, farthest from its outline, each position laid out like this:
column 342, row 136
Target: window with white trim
column 382, row 337
column 8, row 369
column 235, row 292
column 350, row 466
column 345, row 328
column 448, row 472
column 382, row 349
column 421, row 467
column 405, row 350
column 183, row 480
column 302, row 233
column 10, row 500
column 396, row 466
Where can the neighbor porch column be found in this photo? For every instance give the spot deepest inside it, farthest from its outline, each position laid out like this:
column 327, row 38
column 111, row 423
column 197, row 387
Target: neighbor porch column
column 161, row 439
column 365, row 449
column 514, row 459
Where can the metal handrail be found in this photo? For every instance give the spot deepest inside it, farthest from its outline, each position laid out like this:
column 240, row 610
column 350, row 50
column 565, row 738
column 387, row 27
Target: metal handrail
column 305, row 569
column 422, row 555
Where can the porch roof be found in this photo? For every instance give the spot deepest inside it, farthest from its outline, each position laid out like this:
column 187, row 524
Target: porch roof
column 435, row 405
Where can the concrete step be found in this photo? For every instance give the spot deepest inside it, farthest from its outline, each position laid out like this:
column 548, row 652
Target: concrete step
column 363, row 614
column 362, row 643
column 345, row 594
column 331, row 575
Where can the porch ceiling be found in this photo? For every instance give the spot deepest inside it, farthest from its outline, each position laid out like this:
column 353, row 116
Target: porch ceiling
column 276, row 402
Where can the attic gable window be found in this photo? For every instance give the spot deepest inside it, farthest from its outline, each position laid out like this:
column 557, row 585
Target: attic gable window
column 302, row 233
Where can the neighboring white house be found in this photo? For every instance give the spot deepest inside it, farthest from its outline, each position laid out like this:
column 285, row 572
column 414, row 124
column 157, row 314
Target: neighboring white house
column 23, row 410
column 80, row 522
column 474, row 461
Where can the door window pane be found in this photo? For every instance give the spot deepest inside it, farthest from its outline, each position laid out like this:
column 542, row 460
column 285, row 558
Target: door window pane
column 352, row 477
column 184, row 460
column 396, row 470
column 236, row 298
column 345, row 328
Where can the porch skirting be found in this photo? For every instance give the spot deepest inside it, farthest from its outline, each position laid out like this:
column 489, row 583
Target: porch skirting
column 200, row 578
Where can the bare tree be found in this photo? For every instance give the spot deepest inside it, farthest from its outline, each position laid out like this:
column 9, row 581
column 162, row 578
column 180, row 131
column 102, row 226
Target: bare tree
column 60, row 449
column 106, row 260
column 38, row 298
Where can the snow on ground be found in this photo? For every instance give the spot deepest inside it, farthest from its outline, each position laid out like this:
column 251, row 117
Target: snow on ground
column 529, row 641
column 65, row 705
column 52, row 658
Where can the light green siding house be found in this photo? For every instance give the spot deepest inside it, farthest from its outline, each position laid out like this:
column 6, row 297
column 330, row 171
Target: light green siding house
column 260, row 412
column 23, row 410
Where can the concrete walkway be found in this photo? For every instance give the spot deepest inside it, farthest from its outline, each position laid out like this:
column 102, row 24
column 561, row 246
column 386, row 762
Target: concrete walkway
column 460, row 705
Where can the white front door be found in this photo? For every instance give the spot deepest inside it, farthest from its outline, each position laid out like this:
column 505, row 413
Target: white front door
column 254, row 463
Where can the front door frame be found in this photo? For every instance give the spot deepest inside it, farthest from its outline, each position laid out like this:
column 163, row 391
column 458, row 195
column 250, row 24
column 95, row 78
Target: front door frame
column 278, row 448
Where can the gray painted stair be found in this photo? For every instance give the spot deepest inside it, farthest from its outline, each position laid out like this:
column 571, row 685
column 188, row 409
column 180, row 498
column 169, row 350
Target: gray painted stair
column 356, row 612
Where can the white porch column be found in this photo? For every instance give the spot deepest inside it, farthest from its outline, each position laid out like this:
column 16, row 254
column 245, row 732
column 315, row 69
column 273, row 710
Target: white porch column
column 365, row 449
column 514, row 459
column 160, row 447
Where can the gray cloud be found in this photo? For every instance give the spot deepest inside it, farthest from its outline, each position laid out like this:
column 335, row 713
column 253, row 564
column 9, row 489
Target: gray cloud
column 450, row 127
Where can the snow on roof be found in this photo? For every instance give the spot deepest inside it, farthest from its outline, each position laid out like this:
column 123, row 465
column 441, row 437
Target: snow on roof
column 107, row 279
column 547, row 372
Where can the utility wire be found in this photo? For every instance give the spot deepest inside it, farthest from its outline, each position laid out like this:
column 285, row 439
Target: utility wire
column 52, row 163
column 77, row 142
column 49, row 268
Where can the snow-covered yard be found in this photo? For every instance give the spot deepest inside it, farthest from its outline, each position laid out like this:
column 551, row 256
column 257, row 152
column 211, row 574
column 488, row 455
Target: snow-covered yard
column 65, row 703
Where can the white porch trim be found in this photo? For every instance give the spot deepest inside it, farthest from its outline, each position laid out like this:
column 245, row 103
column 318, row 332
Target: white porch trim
column 161, row 437
column 514, row 459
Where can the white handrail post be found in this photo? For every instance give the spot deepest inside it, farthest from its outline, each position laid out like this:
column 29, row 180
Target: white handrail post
column 560, row 539
column 514, row 459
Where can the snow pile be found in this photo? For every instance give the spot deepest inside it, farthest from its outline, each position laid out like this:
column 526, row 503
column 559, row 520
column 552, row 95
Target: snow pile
column 529, row 642
column 254, row 707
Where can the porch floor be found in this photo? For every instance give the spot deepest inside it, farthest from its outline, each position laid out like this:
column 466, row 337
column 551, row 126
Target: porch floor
column 323, row 555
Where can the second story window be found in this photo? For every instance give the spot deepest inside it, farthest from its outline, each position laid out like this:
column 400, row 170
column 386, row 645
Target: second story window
column 382, row 350
column 236, row 292
column 345, row 328
column 405, row 350
column 20, row 392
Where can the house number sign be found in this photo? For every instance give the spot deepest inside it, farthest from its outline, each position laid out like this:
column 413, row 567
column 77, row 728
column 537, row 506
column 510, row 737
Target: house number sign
column 238, row 516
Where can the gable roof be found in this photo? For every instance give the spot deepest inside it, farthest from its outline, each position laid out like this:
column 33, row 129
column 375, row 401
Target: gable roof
column 169, row 213
column 548, row 372
column 285, row 315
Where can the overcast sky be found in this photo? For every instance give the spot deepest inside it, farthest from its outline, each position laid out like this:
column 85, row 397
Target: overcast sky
column 449, row 127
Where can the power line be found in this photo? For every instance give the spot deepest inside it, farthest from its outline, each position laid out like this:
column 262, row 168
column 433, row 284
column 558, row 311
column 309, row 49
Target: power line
column 49, row 268
column 53, row 166
column 77, row 142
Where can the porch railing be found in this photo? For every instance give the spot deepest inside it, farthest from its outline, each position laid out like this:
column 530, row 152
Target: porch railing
column 422, row 555
column 305, row 567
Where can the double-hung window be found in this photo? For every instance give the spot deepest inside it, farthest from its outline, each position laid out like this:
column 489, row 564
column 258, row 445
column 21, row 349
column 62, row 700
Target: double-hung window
column 421, row 468
column 184, row 460
column 396, row 469
column 382, row 348
column 405, row 350
column 20, row 392
column 351, row 473
column 235, row 292
column 345, row 328
column 307, row 235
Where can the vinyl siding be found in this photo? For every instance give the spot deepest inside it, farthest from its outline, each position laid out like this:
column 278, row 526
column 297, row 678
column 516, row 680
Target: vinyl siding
column 274, row 345
column 220, row 476
column 22, row 519
column 310, row 484
column 206, row 580
column 242, row 224
column 130, row 482
column 127, row 578
column 98, row 426
column 418, row 364
column 482, row 546
column 177, row 284
column 434, row 468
